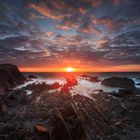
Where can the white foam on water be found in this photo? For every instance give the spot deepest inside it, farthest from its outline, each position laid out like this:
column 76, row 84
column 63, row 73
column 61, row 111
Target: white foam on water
column 39, row 81
column 29, row 92
column 137, row 81
column 97, row 86
column 84, row 87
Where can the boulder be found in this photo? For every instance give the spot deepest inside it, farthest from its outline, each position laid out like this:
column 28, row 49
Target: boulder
column 121, row 82
column 10, row 77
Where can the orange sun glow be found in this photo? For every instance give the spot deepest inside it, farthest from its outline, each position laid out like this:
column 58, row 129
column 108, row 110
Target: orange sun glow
column 69, row 69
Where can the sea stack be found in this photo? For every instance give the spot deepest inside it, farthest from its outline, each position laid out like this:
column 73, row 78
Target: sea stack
column 10, row 77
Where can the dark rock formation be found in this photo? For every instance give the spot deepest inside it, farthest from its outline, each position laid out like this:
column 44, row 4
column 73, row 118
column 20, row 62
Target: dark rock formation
column 70, row 82
column 121, row 82
column 123, row 92
column 84, row 75
column 32, row 76
column 94, row 79
column 9, row 77
column 90, row 78
column 60, row 116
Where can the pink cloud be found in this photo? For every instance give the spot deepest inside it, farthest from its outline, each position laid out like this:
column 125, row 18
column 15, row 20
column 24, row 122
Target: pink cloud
column 108, row 23
column 46, row 11
column 89, row 30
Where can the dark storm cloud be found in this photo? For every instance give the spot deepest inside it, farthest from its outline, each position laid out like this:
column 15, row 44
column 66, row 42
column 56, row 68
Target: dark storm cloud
column 53, row 31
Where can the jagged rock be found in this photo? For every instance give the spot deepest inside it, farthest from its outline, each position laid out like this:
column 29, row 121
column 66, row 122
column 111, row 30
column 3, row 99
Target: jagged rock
column 10, row 77
column 32, row 76
column 90, row 78
column 55, row 85
column 41, row 130
column 94, row 79
column 121, row 82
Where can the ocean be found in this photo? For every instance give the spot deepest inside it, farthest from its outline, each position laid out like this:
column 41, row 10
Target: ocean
column 84, row 86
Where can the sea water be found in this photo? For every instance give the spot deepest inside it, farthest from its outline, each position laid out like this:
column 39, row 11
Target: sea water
column 83, row 84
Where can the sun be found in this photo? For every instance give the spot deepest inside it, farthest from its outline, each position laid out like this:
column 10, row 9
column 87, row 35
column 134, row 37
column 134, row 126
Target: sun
column 69, row 69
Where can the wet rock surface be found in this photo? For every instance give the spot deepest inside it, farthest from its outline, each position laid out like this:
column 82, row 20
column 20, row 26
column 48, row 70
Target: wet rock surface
column 121, row 82
column 60, row 116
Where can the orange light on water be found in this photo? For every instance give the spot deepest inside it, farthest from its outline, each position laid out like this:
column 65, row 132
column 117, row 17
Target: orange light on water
column 69, row 69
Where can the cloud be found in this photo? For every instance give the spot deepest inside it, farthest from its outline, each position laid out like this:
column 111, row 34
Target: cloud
column 45, row 10
column 85, row 32
column 94, row 3
column 68, row 24
column 83, row 10
column 63, row 27
column 89, row 29
column 50, row 33
column 56, row 9
column 106, row 22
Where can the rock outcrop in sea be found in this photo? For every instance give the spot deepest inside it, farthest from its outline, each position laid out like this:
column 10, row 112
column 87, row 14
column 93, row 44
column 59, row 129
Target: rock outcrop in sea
column 121, row 82
column 10, row 77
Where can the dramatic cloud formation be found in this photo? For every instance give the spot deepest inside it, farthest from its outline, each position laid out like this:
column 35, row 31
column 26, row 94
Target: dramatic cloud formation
column 84, row 33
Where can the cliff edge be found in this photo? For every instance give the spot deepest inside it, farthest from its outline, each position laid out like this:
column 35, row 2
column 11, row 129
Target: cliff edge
column 10, row 77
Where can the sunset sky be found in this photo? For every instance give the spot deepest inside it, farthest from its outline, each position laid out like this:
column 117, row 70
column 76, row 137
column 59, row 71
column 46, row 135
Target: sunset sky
column 89, row 35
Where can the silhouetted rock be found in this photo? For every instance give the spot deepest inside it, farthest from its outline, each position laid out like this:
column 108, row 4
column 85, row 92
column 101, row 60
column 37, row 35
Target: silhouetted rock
column 55, row 85
column 126, row 91
column 94, row 79
column 84, row 75
column 43, row 86
column 123, row 93
column 70, row 82
column 121, row 82
column 10, row 77
column 32, row 76
column 90, row 78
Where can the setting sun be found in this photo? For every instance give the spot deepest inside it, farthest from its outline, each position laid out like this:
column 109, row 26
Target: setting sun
column 69, row 69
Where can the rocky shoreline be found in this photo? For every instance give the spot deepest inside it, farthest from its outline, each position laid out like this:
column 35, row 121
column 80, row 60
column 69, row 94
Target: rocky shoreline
column 56, row 115
column 10, row 77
